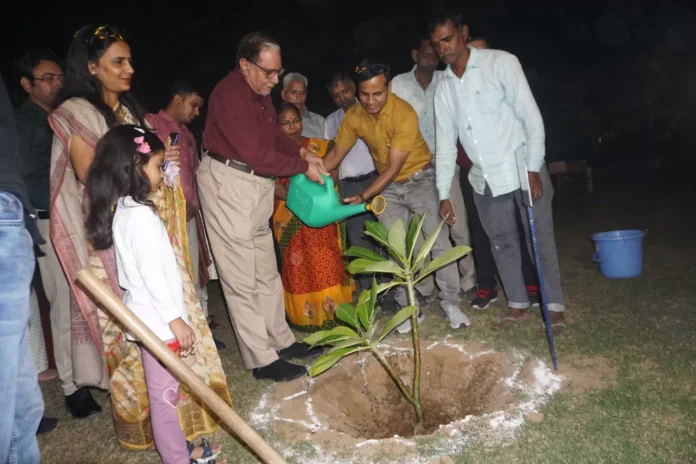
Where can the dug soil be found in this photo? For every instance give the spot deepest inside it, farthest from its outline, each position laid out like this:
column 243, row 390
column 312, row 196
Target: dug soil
column 362, row 400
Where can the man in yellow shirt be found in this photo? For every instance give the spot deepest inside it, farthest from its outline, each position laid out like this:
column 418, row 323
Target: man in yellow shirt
column 389, row 127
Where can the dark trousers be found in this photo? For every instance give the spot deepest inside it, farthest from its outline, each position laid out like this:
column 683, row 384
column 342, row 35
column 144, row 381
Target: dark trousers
column 355, row 226
column 486, row 270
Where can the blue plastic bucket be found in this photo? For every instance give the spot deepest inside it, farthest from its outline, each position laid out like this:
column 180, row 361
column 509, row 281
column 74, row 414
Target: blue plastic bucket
column 619, row 253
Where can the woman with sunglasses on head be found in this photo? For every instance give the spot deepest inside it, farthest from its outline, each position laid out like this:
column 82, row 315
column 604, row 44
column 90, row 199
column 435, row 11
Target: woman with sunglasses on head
column 95, row 98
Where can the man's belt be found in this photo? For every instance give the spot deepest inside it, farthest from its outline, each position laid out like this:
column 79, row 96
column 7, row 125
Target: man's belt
column 420, row 171
column 239, row 166
column 43, row 214
column 356, row 179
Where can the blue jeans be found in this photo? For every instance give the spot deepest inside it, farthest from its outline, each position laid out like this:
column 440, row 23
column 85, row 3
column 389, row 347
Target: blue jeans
column 21, row 407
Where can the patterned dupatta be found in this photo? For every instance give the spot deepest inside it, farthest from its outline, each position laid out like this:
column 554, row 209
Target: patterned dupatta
column 98, row 339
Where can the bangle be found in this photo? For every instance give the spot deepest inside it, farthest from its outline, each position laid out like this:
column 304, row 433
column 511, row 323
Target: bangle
column 362, row 198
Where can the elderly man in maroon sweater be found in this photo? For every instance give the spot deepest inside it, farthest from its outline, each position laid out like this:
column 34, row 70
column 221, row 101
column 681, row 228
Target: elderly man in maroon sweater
column 245, row 149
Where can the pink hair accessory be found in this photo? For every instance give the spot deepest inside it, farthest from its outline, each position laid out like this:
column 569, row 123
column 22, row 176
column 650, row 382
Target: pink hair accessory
column 143, row 147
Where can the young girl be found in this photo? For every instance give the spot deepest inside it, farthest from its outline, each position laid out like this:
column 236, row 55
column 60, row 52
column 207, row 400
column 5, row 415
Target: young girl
column 127, row 169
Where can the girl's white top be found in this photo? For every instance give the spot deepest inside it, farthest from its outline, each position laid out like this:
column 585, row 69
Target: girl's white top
column 147, row 268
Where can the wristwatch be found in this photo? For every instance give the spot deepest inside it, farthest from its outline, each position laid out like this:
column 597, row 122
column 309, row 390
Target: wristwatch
column 362, row 198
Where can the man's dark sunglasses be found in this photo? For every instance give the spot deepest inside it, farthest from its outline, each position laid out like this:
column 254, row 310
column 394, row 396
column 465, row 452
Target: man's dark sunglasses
column 372, row 69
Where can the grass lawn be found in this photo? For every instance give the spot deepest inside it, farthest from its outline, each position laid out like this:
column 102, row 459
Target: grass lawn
column 641, row 331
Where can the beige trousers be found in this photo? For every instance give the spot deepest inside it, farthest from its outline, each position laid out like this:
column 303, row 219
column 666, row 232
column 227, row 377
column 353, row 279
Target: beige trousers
column 237, row 208
column 58, row 295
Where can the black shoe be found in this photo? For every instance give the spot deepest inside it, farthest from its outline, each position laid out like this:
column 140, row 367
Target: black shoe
column 279, row 371
column 300, row 350
column 425, row 301
column 219, row 345
column 47, row 424
column 81, row 404
column 484, row 298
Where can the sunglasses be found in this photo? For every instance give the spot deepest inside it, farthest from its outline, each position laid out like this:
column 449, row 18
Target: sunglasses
column 372, row 69
column 270, row 73
column 102, row 33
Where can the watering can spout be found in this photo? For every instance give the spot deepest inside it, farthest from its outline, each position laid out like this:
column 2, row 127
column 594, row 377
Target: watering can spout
column 318, row 205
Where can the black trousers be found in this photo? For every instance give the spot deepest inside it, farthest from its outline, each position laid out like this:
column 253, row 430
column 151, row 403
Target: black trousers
column 486, row 270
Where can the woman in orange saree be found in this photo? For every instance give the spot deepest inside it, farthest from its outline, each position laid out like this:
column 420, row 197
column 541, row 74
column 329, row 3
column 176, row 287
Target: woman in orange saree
column 313, row 267
column 96, row 97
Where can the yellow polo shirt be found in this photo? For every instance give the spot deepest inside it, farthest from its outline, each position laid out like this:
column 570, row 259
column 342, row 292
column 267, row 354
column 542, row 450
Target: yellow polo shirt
column 396, row 127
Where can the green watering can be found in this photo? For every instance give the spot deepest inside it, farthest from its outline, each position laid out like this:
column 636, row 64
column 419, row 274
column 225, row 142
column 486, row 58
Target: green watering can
column 318, row 205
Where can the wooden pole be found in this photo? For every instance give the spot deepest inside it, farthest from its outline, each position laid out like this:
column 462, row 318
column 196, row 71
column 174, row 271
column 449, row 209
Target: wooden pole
column 117, row 309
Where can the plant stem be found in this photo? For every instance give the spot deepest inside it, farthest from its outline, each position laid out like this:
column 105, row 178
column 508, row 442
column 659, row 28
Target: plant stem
column 416, row 350
column 397, row 380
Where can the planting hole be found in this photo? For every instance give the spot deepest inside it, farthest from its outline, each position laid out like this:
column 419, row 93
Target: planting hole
column 361, row 400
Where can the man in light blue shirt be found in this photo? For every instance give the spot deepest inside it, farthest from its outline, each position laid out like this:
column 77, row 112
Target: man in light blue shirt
column 484, row 100
column 357, row 170
column 418, row 87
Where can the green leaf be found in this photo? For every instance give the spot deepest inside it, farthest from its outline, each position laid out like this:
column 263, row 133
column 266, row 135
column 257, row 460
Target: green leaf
column 363, row 311
column 360, row 252
column 397, row 239
column 398, row 318
column 429, row 242
column 379, row 288
column 377, row 230
column 364, row 297
column 347, row 343
column 329, row 337
column 317, row 337
column 330, row 358
column 443, row 260
column 366, row 266
column 346, row 313
column 414, row 230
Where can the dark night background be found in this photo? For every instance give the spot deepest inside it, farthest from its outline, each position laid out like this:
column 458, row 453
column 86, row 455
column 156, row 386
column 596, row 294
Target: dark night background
column 622, row 71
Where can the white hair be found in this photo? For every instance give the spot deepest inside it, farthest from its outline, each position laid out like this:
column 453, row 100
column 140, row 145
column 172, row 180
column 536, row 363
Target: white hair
column 293, row 76
column 270, row 46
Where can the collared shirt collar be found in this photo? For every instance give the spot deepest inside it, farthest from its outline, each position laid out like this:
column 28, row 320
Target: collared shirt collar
column 238, row 76
column 474, row 61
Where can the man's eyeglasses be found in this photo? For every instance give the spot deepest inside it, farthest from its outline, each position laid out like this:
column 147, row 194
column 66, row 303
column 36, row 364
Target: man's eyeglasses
column 50, row 78
column 270, row 73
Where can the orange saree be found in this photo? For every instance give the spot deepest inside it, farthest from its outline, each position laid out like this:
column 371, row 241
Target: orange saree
column 314, row 273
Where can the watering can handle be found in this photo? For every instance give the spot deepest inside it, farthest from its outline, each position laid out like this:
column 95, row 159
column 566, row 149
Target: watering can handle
column 595, row 258
column 328, row 183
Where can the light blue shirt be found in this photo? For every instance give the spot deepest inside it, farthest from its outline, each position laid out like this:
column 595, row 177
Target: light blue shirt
column 358, row 161
column 313, row 125
column 493, row 112
column 423, row 101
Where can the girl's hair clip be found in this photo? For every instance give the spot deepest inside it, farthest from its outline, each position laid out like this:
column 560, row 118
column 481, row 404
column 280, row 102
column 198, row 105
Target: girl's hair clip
column 139, row 129
column 143, row 147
